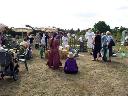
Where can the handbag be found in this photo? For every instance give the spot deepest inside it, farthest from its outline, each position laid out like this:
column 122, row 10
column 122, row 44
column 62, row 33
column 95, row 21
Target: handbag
column 112, row 43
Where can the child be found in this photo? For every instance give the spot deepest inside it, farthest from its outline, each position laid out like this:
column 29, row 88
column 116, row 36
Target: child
column 71, row 65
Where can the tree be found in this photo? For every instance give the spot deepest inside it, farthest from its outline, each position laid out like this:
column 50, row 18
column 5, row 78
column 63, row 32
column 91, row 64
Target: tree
column 101, row 26
column 117, row 32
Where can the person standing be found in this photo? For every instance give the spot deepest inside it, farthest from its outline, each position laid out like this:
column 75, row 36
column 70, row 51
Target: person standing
column 31, row 39
column 104, row 46
column 46, row 40
column 42, row 46
column 89, row 36
column 64, row 41
column 110, row 44
column 54, row 57
column 81, row 42
column 37, row 40
column 97, row 46
column 107, row 46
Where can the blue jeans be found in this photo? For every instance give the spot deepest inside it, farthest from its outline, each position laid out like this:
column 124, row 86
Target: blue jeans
column 105, row 52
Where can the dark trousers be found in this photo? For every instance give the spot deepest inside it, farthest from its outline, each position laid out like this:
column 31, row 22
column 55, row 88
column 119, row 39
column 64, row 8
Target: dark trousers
column 36, row 46
column 104, row 53
column 96, row 50
column 81, row 46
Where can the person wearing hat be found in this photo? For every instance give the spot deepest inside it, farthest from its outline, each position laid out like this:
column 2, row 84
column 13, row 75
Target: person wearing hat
column 70, row 65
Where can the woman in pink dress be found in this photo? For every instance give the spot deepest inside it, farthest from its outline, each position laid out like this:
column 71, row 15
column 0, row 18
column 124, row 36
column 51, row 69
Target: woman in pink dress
column 54, row 57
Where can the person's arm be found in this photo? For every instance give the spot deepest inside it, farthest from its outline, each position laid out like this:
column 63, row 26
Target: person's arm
column 93, row 42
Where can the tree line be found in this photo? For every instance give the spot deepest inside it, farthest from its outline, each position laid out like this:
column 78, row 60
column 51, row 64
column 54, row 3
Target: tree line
column 100, row 26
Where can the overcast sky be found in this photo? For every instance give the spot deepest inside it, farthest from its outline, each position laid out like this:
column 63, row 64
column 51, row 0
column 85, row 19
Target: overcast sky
column 63, row 13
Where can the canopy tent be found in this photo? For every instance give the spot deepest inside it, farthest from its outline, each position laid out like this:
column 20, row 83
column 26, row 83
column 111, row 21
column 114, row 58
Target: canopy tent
column 22, row 30
column 50, row 30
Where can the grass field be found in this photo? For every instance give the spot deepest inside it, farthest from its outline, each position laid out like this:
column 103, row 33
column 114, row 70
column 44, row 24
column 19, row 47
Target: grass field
column 94, row 79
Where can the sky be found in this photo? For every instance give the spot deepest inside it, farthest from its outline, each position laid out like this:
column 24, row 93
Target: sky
column 64, row 14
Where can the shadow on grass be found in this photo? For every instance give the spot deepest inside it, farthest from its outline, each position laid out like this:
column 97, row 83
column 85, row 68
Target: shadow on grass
column 67, row 77
column 9, row 87
column 118, row 65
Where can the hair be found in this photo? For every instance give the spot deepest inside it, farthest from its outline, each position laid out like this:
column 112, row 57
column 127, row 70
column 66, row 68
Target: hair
column 54, row 35
column 97, row 32
column 108, row 33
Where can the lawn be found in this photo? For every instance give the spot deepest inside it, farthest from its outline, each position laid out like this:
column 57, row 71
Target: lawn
column 94, row 79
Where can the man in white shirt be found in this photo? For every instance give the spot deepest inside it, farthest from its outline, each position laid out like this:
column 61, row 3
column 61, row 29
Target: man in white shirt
column 64, row 41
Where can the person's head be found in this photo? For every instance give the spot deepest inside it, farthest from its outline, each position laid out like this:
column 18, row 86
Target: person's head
column 108, row 33
column 58, row 37
column 89, row 30
column 97, row 33
column 70, row 55
column 54, row 35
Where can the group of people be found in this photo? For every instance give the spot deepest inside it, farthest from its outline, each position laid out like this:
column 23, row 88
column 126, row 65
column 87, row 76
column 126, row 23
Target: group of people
column 54, row 57
column 102, row 46
column 45, row 42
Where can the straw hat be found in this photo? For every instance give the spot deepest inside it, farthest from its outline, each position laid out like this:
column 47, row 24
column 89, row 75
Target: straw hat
column 70, row 55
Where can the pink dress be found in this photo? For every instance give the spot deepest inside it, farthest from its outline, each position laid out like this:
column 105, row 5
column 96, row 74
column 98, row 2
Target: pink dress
column 54, row 57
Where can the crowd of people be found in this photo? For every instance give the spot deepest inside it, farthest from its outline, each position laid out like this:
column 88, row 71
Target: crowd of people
column 100, row 45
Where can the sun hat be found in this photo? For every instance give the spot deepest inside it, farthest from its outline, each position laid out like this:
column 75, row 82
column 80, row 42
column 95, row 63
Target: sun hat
column 70, row 55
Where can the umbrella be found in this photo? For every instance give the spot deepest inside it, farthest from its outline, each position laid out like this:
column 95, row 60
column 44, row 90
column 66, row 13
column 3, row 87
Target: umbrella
column 2, row 27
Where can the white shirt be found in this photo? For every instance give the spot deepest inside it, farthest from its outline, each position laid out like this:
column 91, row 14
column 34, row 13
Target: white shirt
column 89, row 36
column 65, row 41
column 43, row 40
column 68, row 35
column 24, row 43
column 80, row 39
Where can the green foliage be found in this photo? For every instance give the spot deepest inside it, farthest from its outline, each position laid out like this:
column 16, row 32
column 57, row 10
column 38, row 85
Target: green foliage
column 101, row 26
column 118, row 35
column 117, row 32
